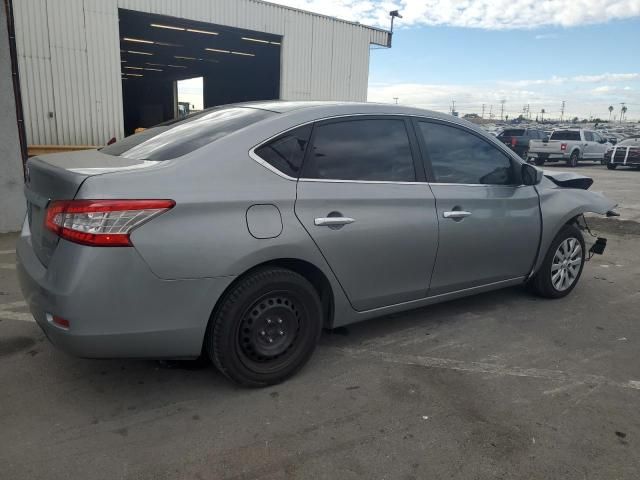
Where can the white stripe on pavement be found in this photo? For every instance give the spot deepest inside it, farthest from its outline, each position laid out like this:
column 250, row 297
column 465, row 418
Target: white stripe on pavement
column 6, row 312
column 8, row 266
column 7, row 252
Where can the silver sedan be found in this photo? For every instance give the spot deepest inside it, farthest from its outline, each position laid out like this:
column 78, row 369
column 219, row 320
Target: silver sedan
column 240, row 232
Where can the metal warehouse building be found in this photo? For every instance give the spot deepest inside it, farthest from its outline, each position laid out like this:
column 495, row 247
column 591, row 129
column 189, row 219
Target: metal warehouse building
column 91, row 70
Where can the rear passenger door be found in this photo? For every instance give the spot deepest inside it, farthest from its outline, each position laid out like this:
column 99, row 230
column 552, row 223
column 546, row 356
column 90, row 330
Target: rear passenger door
column 489, row 222
column 363, row 199
column 590, row 146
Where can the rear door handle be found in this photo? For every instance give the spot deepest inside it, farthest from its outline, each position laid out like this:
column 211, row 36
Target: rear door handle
column 455, row 214
column 332, row 221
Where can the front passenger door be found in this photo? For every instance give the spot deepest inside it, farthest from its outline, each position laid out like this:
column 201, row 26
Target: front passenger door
column 489, row 223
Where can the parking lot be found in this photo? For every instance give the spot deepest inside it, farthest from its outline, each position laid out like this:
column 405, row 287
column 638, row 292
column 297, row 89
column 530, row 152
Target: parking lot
column 500, row 385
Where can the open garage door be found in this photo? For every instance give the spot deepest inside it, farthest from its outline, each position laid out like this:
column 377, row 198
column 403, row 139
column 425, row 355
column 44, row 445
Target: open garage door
column 157, row 51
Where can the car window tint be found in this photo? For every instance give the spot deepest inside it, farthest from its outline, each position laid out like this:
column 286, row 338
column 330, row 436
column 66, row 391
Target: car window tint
column 179, row 137
column 512, row 133
column 458, row 156
column 368, row 149
column 286, row 152
column 565, row 135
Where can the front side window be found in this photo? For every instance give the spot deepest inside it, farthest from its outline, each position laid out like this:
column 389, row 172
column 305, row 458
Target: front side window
column 458, row 156
column 367, row 149
column 588, row 136
column 175, row 138
column 286, row 152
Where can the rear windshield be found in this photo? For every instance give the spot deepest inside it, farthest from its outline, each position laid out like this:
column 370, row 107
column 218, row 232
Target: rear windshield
column 565, row 135
column 175, row 138
column 512, row 133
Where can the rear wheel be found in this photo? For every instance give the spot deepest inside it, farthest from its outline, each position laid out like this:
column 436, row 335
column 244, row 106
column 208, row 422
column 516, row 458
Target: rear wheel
column 573, row 159
column 612, row 166
column 563, row 264
column 525, row 154
column 539, row 161
column 265, row 328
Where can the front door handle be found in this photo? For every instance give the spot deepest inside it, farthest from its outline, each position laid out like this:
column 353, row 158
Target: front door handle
column 332, row 221
column 456, row 214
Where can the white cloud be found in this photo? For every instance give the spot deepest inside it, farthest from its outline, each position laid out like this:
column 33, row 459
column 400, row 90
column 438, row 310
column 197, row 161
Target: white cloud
column 546, row 36
column 555, row 80
column 580, row 102
column 487, row 14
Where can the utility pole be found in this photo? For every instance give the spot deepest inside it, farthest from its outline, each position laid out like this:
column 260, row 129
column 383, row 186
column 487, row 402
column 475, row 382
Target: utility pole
column 453, row 106
column 396, row 99
column 562, row 111
column 490, row 111
column 529, row 111
column 483, row 105
column 502, row 102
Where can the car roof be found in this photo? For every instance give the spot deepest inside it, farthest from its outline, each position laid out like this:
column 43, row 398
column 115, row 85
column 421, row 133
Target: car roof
column 322, row 109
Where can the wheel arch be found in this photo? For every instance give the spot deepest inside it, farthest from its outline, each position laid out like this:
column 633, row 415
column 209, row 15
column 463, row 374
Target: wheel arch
column 306, row 269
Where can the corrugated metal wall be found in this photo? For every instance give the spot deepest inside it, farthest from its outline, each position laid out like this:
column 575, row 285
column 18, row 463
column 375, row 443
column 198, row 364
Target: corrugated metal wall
column 69, row 58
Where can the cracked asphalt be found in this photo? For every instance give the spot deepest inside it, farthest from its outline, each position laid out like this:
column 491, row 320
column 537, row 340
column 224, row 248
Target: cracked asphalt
column 502, row 385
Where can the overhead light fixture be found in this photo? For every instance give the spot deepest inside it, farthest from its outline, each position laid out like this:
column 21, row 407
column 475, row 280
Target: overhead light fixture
column 217, row 50
column 244, row 54
column 155, row 64
column 185, row 58
column 134, row 68
column 249, row 39
column 167, row 44
column 176, row 66
column 275, row 43
column 134, row 74
column 138, row 53
column 168, row 27
column 206, row 32
column 154, row 69
column 137, row 40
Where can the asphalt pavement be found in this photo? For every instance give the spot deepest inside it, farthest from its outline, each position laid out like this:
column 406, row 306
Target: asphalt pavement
column 502, row 385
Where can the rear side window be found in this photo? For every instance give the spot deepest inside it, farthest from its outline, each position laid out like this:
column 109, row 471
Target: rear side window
column 458, row 156
column 367, row 149
column 179, row 137
column 565, row 135
column 286, row 152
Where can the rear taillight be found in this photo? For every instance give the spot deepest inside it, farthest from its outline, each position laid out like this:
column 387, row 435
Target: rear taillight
column 514, row 141
column 106, row 223
column 563, row 146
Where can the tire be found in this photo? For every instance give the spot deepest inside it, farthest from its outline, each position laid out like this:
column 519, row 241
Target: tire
column 525, row 154
column 557, row 277
column 265, row 328
column 539, row 161
column 573, row 159
column 611, row 166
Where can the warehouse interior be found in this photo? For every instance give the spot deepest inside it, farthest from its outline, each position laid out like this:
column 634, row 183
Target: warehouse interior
column 157, row 51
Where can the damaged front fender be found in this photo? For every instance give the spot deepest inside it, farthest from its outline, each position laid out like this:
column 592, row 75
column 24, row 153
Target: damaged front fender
column 559, row 205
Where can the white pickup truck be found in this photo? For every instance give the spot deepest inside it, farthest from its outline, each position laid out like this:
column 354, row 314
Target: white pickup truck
column 571, row 145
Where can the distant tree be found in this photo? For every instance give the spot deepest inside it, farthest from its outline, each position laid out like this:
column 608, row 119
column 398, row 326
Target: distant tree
column 520, row 118
column 623, row 113
column 610, row 111
column 575, row 120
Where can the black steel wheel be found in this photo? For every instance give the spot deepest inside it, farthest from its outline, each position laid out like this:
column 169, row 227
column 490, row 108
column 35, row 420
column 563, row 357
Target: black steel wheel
column 612, row 166
column 265, row 327
column 573, row 159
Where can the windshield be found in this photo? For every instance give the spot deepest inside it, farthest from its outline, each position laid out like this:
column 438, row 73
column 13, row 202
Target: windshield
column 178, row 137
column 630, row 142
column 565, row 135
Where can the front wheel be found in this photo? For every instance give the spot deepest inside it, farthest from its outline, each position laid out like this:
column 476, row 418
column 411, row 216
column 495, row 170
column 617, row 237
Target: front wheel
column 265, row 328
column 563, row 264
column 612, row 166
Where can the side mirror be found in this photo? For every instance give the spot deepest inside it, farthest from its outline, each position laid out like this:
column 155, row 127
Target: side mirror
column 530, row 175
column 546, row 139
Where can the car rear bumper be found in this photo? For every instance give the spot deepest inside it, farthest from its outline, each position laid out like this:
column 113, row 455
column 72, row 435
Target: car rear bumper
column 117, row 308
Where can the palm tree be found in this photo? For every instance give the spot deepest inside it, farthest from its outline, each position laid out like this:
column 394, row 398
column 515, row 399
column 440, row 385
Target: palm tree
column 610, row 111
column 623, row 114
column 542, row 112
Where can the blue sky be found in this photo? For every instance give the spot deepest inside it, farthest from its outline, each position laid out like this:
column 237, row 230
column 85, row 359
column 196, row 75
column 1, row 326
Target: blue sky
column 536, row 52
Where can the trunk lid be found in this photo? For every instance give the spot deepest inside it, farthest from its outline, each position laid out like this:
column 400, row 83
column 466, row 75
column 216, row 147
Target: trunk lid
column 59, row 176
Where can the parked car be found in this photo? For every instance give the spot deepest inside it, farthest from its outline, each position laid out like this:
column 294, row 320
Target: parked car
column 241, row 231
column 571, row 145
column 624, row 154
column 517, row 139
